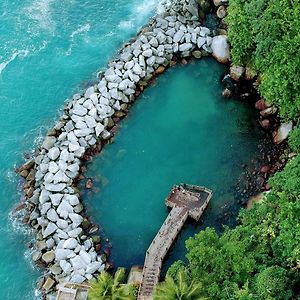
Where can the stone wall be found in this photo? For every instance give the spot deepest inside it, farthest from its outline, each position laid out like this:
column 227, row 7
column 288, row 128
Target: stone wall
column 56, row 209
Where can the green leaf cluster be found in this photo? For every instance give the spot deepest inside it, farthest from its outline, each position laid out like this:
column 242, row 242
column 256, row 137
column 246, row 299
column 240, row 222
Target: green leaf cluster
column 107, row 287
column 265, row 35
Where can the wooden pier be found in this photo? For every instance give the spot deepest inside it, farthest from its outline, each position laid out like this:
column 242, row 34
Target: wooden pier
column 185, row 201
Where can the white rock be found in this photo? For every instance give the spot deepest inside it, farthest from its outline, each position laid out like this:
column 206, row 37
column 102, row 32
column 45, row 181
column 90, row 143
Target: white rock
column 283, row 132
column 44, row 196
column 77, row 278
column 76, row 219
column 79, row 110
column 201, row 41
column 65, row 266
column 72, row 199
column 55, row 187
column 53, row 167
column 220, row 48
column 53, row 153
column 61, row 254
column 70, row 243
column 147, row 53
column 99, row 129
column 93, row 267
column 85, row 257
column 52, row 215
column 90, row 121
column 178, row 36
column 83, row 132
column 51, row 228
column 64, row 209
column 64, row 155
column 78, row 263
column 56, row 198
column 75, row 232
column 62, row 224
column 89, row 92
column 185, row 47
column 45, row 207
column 60, row 176
column 49, row 142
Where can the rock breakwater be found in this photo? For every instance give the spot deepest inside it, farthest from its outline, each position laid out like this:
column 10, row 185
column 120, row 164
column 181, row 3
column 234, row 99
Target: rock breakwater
column 55, row 210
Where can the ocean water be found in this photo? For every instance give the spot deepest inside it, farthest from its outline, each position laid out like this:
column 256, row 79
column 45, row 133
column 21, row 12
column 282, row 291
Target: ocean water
column 180, row 130
column 48, row 50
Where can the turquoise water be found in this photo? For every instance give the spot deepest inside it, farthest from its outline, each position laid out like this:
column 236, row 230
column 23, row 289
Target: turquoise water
column 180, row 130
column 48, row 50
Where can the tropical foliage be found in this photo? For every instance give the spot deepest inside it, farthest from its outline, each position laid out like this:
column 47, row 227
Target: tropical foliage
column 265, row 36
column 107, row 287
column 181, row 287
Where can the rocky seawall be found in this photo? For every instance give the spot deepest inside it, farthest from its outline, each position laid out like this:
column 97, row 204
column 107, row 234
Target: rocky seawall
column 66, row 245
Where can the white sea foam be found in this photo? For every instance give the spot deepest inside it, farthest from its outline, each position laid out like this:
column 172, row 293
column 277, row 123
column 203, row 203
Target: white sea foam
column 21, row 53
column 80, row 30
column 139, row 12
column 40, row 11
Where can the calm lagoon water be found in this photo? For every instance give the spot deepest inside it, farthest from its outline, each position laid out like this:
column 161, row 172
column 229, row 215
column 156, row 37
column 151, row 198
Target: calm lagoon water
column 180, row 130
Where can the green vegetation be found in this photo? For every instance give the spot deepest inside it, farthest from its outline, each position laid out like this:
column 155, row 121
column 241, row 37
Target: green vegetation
column 107, row 287
column 182, row 287
column 260, row 258
column 265, row 36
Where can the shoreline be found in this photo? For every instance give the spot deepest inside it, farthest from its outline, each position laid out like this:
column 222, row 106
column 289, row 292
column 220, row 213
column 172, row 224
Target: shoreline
column 89, row 122
column 67, row 245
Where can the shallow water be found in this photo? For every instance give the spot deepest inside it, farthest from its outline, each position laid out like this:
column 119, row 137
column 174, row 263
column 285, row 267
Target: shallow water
column 48, row 50
column 180, row 130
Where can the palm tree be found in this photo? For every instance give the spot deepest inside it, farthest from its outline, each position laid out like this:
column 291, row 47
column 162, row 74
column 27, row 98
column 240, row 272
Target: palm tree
column 179, row 289
column 107, row 287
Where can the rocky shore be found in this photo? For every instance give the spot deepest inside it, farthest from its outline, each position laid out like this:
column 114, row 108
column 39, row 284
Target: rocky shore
column 67, row 245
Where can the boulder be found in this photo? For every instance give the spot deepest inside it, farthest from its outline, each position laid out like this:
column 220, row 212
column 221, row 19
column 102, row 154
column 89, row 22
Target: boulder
column 221, row 12
column 36, row 255
column 61, row 254
column 53, row 153
column 56, row 199
column 76, row 219
column 48, row 285
column 93, row 267
column 220, row 48
column 55, row 187
column 64, row 209
column 49, row 142
column 236, row 72
column 51, row 228
column 70, row 243
column 282, row 132
column 52, row 215
column 48, row 256
column 185, row 47
column 75, row 232
column 65, row 266
column 268, row 111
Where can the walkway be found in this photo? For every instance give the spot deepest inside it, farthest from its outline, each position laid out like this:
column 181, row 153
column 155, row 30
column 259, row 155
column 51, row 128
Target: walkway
column 185, row 200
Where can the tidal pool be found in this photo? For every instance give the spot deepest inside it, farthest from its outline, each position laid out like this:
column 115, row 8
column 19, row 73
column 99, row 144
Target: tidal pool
column 179, row 130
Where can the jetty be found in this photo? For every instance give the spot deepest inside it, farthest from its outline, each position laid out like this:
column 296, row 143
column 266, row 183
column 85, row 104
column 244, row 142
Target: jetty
column 186, row 201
